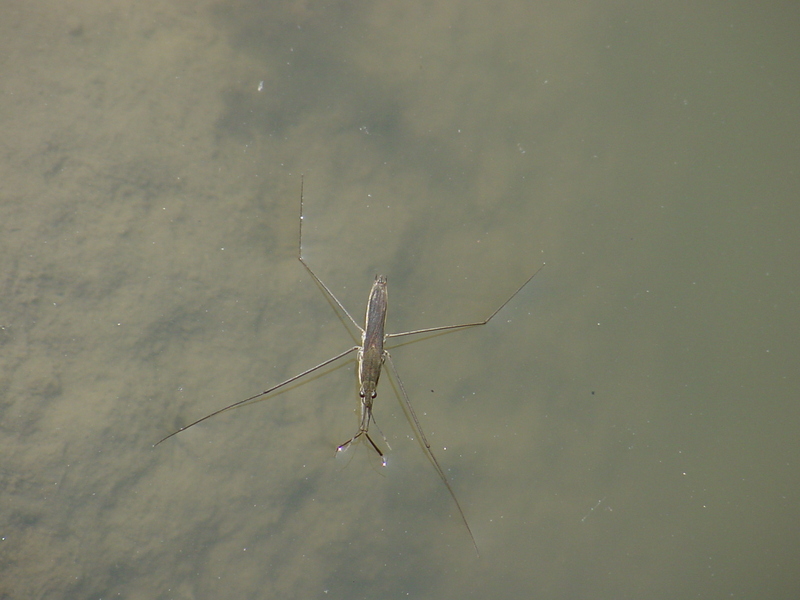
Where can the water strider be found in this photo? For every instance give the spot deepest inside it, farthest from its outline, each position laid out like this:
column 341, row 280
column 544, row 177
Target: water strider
column 371, row 357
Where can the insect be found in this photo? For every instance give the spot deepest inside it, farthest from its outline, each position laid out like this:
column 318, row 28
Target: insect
column 371, row 356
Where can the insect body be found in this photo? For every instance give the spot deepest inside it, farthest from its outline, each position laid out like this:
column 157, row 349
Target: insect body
column 371, row 356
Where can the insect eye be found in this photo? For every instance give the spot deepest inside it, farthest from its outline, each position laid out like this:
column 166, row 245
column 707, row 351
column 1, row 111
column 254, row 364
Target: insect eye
column 374, row 395
column 362, row 394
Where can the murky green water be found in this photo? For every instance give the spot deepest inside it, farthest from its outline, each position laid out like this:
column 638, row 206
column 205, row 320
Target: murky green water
column 625, row 428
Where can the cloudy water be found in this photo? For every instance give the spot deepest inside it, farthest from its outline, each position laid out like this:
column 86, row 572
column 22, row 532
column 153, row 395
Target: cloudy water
column 624, row 428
